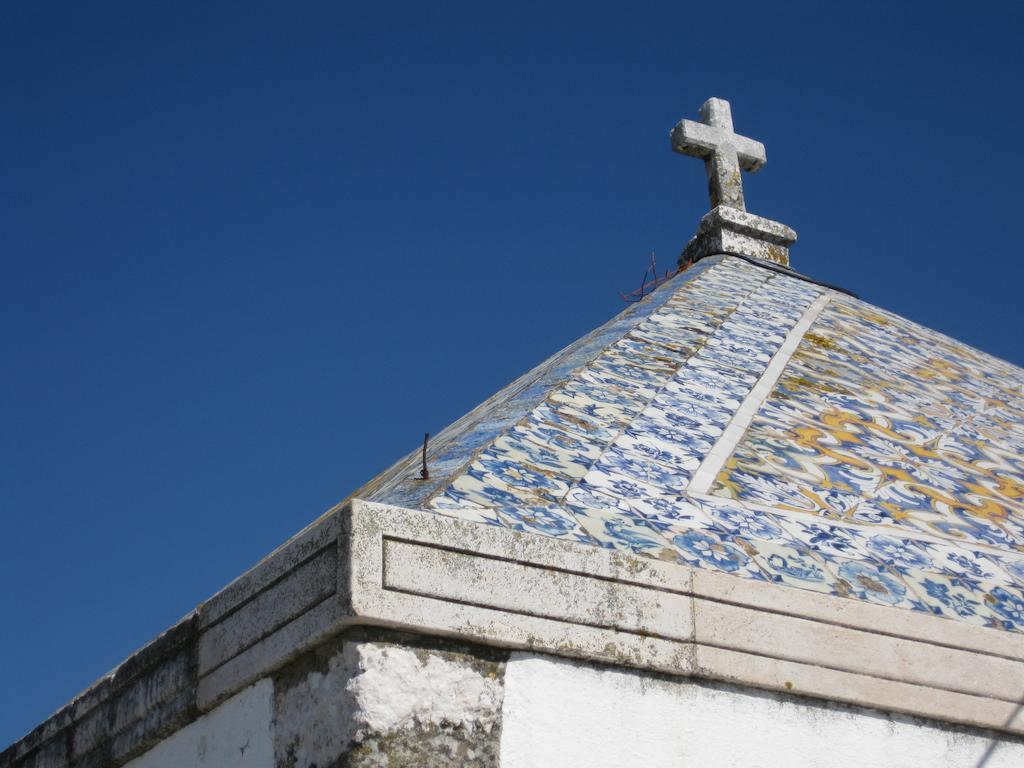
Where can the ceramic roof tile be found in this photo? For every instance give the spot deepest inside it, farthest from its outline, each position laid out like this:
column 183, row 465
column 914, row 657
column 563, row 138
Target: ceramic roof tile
column 760, row 425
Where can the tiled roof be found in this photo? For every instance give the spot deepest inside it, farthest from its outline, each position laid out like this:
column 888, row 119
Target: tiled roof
column 761, row 425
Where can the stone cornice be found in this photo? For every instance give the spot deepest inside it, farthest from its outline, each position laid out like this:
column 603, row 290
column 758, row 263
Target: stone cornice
column 375, row 564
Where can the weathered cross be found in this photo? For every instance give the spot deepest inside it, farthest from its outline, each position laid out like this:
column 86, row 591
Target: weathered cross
column 723, row 151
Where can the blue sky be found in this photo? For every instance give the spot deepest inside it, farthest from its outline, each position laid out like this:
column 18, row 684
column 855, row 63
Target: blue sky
column 249, row 258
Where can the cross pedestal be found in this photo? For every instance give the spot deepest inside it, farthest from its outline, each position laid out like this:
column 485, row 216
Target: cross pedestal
column 729, row 230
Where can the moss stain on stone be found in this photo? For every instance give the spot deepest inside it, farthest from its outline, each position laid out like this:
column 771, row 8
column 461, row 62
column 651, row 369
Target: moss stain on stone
column 822, row 342
column 426, row 746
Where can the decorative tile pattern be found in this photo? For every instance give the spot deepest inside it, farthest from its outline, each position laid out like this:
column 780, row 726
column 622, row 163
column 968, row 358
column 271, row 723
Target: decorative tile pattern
column 885, row 465
column 910, row 440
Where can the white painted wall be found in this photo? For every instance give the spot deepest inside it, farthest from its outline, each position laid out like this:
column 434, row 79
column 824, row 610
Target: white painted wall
column 234, row 735
column 566, row 715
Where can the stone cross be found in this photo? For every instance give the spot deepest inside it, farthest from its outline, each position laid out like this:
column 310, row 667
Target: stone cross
column 724, row 152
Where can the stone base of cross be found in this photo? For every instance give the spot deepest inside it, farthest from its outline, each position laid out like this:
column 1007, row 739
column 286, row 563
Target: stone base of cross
column 728, row 228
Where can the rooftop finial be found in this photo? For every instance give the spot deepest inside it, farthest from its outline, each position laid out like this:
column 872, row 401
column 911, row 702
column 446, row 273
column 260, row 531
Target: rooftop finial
column 724, row 152
column 728, row 228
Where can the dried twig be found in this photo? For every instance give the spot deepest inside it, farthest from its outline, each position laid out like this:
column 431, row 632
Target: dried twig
column 655, row 281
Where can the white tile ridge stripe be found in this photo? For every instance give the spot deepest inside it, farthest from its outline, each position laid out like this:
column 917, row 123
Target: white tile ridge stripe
column 733, row 432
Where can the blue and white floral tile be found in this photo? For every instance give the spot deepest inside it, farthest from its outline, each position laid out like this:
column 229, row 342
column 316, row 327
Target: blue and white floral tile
column 916, row 427
column 722, row 296
column 523, row 464
column 898, row 552
column 796, row 290
column 731, row 273
column 618, row 485
column 1013, row 524
column 591, row 497
column 639, row 467
column 685, row 430
column 962, row 443
column 677, row 330
column 898, row 494
column 693, row 409
column 806, row 392
column 684, row 311
column 701, row 314
column 829, row 540
column 776, row 454
column 654, row 447
column 751, row 331
column 963, row 561
column 582, row 450
column 684, row 443
column 511, row 450
column 671, row 513
column 750, row 349
column 871, row 582
column 784, row 312
column 877, row 513
column 746, row 478
column 771, row 432
column 709, row 367
column 710, row 292
column 959, row 525
column 789, row 565
column 745, row 521
column 792, row 412
column 712, row 550
column 1012, row 566
column 720, row 304
column 738, row 272
column 861, row 479
column 881, row 451
column 923, row 420
column 759, row 307
column 693, row 391
column 605, row 406
column 551, row 520
column 587, row 426
column 750, row 477
column 793, row 296
column 608, row 415
column 637, row 510
column 832, row 378
column 767, row 317
column 777, row 449
column 955, row 598
column 680, row 343
column 613, row 530
column 645, row 355
column 661, row 513
column 728, row 382
column 724, row 357
column 447, row 502
column 515, row 486
column 635, row 392
column 609, row 388
column 614, row 370
column 1007, row 603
